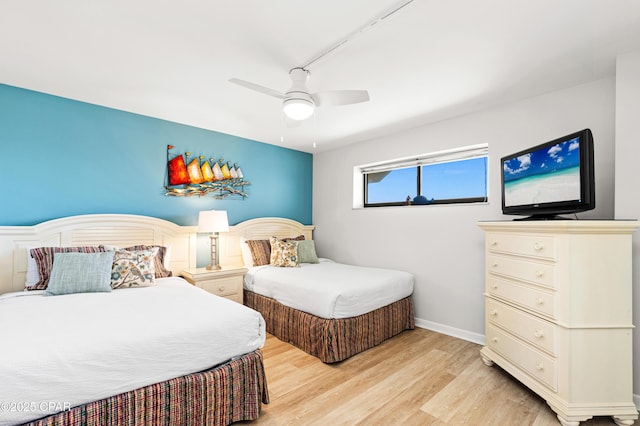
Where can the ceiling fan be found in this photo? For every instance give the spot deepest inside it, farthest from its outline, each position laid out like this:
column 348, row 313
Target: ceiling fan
column 298, row 103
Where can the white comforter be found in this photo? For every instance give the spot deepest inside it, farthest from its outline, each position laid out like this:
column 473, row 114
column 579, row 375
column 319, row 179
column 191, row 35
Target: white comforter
column 62, row 351
column 329, row 289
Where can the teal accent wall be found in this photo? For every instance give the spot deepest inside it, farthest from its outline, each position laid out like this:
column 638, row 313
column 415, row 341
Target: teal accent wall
column 62, row 157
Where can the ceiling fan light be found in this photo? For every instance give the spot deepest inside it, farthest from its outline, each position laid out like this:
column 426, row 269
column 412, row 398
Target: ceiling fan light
column 298, row 109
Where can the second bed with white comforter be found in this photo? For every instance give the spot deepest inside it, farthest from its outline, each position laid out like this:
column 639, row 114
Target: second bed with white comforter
column 328, row 289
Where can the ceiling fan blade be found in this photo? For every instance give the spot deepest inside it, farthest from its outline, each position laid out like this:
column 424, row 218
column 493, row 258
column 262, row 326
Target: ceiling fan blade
column 340, row 97
column 257, row 88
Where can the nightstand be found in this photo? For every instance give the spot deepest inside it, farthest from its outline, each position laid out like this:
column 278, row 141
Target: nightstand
column 225, row 282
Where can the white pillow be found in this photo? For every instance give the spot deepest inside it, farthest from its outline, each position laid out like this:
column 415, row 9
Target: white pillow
column 246, row 253
column 33, row 276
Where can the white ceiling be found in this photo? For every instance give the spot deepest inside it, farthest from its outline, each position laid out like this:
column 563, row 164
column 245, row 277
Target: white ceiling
column 429, row 61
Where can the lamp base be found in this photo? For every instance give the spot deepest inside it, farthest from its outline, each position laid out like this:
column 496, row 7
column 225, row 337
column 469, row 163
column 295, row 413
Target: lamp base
column 214, row 265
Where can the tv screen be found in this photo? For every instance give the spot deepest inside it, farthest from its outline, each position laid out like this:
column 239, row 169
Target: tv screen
column 553, row 178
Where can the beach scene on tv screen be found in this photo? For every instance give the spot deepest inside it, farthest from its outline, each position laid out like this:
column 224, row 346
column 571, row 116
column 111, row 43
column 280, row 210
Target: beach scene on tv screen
column 546, row 175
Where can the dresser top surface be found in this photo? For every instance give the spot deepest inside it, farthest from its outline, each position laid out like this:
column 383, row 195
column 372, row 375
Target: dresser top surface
column 563, row 226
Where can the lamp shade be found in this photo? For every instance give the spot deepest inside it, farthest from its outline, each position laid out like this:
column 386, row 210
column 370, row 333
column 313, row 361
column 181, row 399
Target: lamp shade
column 213, row 221
column 298, row 109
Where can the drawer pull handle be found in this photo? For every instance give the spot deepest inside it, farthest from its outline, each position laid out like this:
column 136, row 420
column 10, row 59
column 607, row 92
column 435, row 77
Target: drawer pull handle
column 539, row 334
column 495, row 264
column 494, row 340
column 540, row 301
column 221, row 288
column 493, row 243
column 494, row 313
column 494, row 286
column 538, row 246
column 539, row 366
column 539, row 273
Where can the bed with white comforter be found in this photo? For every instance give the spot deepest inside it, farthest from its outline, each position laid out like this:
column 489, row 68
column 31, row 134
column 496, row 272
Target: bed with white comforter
column 329, row 289
column 63, row 351
column 331, row 310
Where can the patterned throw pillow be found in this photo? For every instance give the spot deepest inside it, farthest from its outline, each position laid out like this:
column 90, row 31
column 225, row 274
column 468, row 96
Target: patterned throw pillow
column 43, row 257
column 159, row 260
column 260, row 251
column 284, row 253
column 133, row 268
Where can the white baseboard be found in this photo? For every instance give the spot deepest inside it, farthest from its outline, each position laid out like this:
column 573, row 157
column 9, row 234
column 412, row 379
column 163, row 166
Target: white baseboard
column 473, row 338
column 451, row 331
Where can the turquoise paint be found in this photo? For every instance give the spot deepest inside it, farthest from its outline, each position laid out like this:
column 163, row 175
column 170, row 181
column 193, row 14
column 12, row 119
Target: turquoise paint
column 63, row 157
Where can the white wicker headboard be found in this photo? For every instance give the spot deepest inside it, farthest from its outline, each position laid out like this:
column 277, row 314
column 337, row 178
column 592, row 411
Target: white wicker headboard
column 258, row 229
column 113, row 229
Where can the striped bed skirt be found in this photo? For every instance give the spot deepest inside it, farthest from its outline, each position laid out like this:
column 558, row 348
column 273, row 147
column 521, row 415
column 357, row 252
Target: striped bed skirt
column 228, row 393
column 332, row 340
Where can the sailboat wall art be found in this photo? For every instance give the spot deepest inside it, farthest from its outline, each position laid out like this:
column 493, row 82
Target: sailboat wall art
column 203, row 176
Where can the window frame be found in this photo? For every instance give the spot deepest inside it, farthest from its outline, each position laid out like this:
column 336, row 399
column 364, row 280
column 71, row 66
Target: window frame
column 447, row 156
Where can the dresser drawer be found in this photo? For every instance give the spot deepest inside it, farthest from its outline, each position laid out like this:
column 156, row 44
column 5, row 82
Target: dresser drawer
column 534, row 330
column 533, row 272
column 222, row 286
column 534, row 299
column 535, row 363
column 523, row 245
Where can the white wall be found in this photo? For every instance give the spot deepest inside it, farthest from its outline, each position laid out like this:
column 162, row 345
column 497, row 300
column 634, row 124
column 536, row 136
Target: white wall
column 627, row 193
column 440, row 244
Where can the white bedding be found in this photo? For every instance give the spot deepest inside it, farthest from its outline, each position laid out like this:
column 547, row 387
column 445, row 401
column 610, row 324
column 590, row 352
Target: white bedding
column 62, row 351
column 329, row 289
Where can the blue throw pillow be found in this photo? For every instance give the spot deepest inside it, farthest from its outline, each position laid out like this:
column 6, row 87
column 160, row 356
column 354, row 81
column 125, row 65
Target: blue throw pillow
column 80, row 273
column 307, row 252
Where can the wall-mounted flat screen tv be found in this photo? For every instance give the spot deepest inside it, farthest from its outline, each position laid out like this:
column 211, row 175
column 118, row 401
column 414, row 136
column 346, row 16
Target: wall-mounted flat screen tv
column 550, row 179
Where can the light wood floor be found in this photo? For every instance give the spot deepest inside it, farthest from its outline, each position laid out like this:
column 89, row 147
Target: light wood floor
column 417, row 378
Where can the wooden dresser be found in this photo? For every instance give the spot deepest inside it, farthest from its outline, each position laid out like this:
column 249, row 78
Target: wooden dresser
column 559, row 314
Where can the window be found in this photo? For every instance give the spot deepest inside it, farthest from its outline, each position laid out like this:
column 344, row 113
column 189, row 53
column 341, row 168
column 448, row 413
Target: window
column 446, row 177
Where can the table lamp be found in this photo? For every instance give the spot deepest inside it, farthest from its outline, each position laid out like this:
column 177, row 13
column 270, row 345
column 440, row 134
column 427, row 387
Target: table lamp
column 213, row 221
